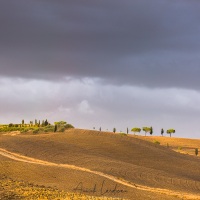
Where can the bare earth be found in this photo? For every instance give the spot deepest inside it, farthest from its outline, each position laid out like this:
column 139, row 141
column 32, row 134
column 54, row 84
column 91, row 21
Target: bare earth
column 181, row 145
column 136, row 168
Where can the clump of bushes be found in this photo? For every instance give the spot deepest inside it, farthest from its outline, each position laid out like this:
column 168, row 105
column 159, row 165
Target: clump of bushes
column 61, row 126
column 180, row 148
column 62, row 129
column 37, row 128
column 24, row 130
column 48, row 128
column 36, row 131
column 156, row 142
column 68, row 126
column 123, row 134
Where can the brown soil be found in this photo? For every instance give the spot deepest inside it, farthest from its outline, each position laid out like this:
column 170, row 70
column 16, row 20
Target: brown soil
column 141, row 168
column 181, row 145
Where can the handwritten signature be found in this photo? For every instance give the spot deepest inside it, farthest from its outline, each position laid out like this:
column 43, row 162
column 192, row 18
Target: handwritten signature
column 103, row 189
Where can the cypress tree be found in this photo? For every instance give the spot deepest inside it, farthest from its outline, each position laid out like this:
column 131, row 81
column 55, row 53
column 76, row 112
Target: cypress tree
column 151, row 131
column 162, row 131
column 46, row 123
column 55, row 128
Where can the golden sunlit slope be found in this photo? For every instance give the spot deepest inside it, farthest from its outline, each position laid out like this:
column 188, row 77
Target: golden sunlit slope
column 154, row 171
column 182, row 145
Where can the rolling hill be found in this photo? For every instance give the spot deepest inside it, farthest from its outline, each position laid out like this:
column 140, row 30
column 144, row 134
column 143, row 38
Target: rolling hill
column 103, row 164
column 181, row 145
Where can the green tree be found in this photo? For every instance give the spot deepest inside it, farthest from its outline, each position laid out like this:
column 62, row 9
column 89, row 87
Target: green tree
column 60, row 123
column 162, row 131
column 22, row 121
column 31, row 123
column 170, row 131
column 136, row 130
column 55, row 128
column 68, row 126
column 151, row 131
column 146, row 130
column 46, row 123
column 114, row 130
column 10, row 125
column 127, row 130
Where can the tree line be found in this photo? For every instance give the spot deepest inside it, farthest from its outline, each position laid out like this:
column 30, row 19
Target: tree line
column 150, row 130
column 145, row 129
column 36, row 126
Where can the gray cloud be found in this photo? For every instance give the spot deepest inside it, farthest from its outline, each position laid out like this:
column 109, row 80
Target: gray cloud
column 87, row 103
column 101, row 63
column 149, row 43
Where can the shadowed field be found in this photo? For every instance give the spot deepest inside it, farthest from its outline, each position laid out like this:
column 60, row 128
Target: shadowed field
column 141, row 169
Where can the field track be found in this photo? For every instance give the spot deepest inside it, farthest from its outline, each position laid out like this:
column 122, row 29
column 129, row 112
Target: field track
column 21, row 158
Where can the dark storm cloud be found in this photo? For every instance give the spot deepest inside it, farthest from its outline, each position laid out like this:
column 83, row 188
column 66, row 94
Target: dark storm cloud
column 151, row 43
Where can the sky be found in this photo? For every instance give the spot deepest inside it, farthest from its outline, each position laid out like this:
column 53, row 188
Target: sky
column 108, row 63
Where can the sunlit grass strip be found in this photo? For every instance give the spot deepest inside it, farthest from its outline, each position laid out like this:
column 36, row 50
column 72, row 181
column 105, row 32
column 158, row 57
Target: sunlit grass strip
column 11, row 189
